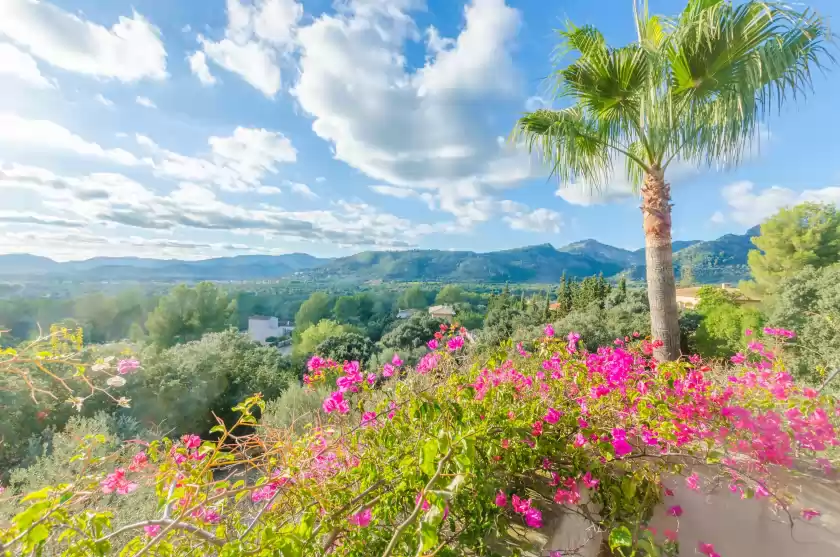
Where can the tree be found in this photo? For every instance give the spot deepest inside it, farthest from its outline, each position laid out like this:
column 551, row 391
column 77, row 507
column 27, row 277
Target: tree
column 450, row 294
column 186, row 313
column 411, row 333
column 413, row 298
column 721, row 331
column 346, row 347
column 316, row 334
column 692, row 89
column 808, row 234
column 346, row 309
column 313, row 310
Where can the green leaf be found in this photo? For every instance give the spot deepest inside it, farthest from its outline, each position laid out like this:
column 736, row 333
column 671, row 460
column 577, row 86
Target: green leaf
column 620, row 537
column 428, row 537
column 628, row 488
column 428, row 454
column 37, row 535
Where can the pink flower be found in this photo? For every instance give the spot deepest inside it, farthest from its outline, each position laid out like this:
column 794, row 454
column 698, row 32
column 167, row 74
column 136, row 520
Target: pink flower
column 387, row 370
column 549, row 331
column 117, row 482
column 501, row 499
column 693, row 481
column 151, row 530
column 520, row 505
column 620, row 445
column 537, row 428
column 361, row 518
column 589, row 481
column 580, row 440
column 808, row 514
column 707, row 549
column 368, row 419
column 573, row 339
column 552, row 416
column 455, row 343
column 428, row 363
column 670, row 535
column 505, row 443
column 336, row 403
column 315, row 363
column 396, row 361
column 138, row 462
column 668, row 492
column 191, row 441
column 371, row 379
column 676, row 510
column 125, row 367
column 432, row 344
column 533, row 518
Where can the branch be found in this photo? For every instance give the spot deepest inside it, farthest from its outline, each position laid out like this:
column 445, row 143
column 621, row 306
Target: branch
column 170, row 524
column 419, row 505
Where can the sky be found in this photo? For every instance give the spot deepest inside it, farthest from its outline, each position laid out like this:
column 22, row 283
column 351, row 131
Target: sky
column 211, row 128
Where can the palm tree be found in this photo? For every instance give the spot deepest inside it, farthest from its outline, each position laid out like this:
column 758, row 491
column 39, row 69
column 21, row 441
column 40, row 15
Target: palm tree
column 693, row 88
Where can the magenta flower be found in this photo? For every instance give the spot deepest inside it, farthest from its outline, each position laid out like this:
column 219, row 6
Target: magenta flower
column 432, row 344
column 368, row 419
column 537, row 428
column 501, row 499
column 361, row 518
column 396, row 361
column 552, row 416
column 191, row 441
column 549, row 331
column 580, row 440
column 315, row 363
column 371, row 379
column 707, row 549
column 676, row 510
column 455, row 343
column 336, row 403
column 573, row 339
column 138, row 462
column 533, row 518
column 151, row 530
column 387, row 370
column 589, row 481
column 125, row 367
column 520, row 505
column 748, row 332
column 117, row 482
column 670, row 535
column 620, row 445
column 693, row 481
column 428, row 363
column 808, row 514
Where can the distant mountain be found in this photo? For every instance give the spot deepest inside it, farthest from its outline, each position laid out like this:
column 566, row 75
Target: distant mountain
column 720, row 260
column 245, row 267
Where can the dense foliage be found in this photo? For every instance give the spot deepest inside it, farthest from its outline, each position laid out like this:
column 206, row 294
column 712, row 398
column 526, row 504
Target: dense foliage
column 187, row 313
column 462, row 456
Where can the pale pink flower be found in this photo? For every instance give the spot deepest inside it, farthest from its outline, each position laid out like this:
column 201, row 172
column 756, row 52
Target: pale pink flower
column 361, row 518
column 396, row 361
column 117, row 482
column 693, row 481
column 151, row 530
column 808, row 514
column 125, row 367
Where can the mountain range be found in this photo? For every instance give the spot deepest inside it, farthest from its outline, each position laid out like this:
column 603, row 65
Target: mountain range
column 720, row 260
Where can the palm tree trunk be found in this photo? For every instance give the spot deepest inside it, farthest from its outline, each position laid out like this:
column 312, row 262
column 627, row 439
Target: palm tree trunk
column 662, row 292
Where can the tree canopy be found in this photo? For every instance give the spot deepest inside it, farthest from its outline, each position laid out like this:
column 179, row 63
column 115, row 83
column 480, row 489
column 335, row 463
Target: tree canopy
column 186, row 313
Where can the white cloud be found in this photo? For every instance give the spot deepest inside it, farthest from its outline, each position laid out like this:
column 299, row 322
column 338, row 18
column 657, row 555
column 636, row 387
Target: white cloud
column 749, row 207
column 145, row 101
column 237, row 162
column 536, row 102
column 199, row 68
column 538, row 220
column 16, row 63
column 717, row 218
column 129, row 50
column 303, row 190
column 100, row 98
column 116, row 200
column 422, row 130
column 258, row 35
column 269, row 190
column 43, row 135
column 320, row 179
column 14, row 217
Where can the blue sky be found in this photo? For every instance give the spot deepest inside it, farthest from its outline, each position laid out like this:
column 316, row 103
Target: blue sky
column 225, row 127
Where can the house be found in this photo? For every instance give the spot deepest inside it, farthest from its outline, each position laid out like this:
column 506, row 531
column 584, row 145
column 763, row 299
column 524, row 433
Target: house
column 261, row 327
column 405, row 313
column 442, row 312
column 687, row 298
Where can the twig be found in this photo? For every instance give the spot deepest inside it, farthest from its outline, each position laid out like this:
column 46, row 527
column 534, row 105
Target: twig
column 170, row 524
column 419, row 505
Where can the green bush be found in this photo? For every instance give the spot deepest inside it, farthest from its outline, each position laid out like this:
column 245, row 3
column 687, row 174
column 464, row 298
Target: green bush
column 346, row 347
column 295, row 408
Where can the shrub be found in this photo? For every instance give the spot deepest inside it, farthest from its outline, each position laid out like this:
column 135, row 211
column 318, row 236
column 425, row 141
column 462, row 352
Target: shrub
column 465, row 456
column 295, row 408
column 347, row 346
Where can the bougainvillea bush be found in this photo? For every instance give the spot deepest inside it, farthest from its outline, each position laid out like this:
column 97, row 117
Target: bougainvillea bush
column 456, row 456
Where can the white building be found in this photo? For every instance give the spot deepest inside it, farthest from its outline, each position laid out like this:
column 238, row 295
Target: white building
column 261, row 328
column 406, row 313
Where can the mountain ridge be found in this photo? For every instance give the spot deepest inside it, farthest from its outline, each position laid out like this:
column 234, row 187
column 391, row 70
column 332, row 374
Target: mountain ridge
column 722, row 259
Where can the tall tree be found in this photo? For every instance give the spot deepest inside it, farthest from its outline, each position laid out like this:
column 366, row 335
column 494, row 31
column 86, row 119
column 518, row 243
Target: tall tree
column 692, row 88
column 187, row 313
column 792, row 239
column 313, row 310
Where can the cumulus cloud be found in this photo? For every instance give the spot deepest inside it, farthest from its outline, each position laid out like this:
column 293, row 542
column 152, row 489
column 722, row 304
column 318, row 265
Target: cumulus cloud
column 717, row 218
column 14, row 217
column 269, row 190
column 101, row 99
column 425, row 129
column 114, row 199
column 538, row 220
column 199, row 68
column 129, row 50
column 237, row 162
column 257, row 36
column 20, row 65
column 146, row 101
column 749, row 206
column 303, row 190
column 43, row 135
